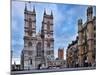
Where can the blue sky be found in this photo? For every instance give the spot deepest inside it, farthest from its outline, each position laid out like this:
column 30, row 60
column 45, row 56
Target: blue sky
column 65, row 23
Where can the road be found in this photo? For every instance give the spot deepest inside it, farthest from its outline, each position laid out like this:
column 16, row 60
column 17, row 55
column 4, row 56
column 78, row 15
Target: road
column 51, row 70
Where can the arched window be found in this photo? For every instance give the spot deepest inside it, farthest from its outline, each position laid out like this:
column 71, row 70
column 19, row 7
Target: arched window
column 48, row 27
column 30, row 27
column 39, row 49
column 30, row 61
column 30, row 44
column 48, row 43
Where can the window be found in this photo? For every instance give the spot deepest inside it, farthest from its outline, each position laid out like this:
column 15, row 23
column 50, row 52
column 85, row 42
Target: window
column 48, row 27
column 30, row 44
column 48, row 43
column 39, row 50
column 30, row 61
column 30, row 52
column 94, row 27
column 48, row 52
column 30, row 27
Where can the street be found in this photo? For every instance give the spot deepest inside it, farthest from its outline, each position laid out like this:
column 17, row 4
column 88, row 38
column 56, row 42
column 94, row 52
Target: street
column 51, row 70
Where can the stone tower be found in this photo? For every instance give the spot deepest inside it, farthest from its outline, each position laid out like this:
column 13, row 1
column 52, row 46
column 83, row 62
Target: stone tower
column 47, row 37
column 38, row 48
column 28, row 53
column 90, row 35
column 61, row 53
column 80, row 43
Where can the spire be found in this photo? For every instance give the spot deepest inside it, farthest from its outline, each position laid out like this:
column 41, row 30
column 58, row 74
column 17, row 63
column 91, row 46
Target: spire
column 80, row 22
column 51, row 13
column 89, row 13
column 89, row 10
column 79, row 25
column 34, row 9
column 29, row 5
column 44, row 12
column 25, row 7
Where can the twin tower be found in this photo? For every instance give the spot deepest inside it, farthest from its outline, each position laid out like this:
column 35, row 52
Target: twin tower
column 38, row 47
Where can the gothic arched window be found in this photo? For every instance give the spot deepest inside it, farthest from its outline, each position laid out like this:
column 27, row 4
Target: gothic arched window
column 39, row 49
column 48, row 26
column 30, row 26
column 30, row 61
column 48, row 43
column 30, row 44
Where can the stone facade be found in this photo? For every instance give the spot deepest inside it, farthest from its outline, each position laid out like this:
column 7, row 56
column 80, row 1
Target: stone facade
column 86, row 41
column 38, row 47
column 72, row 54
